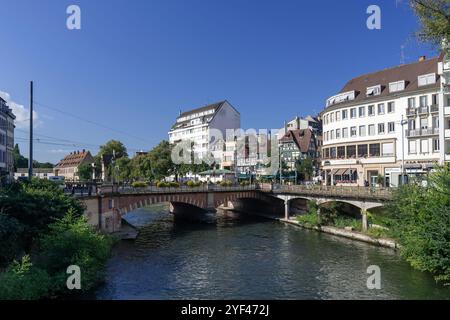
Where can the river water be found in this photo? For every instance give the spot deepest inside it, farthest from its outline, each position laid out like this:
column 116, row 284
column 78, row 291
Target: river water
column 252, row 258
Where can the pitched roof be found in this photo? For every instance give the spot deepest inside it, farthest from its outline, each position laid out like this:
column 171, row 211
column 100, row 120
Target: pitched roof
column 215, row 106
column 301, row 138
column 35, row 170
column 407, row 72
column 74, row 159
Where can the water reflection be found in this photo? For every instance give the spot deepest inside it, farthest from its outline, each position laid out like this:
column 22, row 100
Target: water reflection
column 252, row 258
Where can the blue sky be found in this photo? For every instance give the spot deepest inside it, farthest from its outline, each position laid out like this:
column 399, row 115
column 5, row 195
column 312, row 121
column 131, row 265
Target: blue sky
column 135, row 64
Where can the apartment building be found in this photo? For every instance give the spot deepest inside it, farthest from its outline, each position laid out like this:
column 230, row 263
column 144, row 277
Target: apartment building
column 297, row 145
column 313, row 123
column 198, row 127
column 6, row 142
column 68, row 166
column 388, row 122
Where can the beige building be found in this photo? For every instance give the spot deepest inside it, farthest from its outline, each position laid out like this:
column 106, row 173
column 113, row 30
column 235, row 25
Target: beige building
column 386, row 123
column 68, row 166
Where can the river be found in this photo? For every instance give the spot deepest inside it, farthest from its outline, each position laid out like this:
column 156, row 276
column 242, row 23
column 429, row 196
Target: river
column 252, row 258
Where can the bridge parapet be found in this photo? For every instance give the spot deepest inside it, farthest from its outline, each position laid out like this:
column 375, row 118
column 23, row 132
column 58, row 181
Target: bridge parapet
column 336, row 191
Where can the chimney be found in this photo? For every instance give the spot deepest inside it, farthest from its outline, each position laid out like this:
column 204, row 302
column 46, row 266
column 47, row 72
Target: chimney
column 422, row 58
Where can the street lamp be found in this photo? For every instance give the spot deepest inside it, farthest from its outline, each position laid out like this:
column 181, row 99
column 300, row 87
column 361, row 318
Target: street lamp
column 403, row 122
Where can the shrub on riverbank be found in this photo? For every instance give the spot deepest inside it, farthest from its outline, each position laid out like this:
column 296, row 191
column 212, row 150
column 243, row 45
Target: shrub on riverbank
column 139, row 184
column 422, row 224
column 309, row 220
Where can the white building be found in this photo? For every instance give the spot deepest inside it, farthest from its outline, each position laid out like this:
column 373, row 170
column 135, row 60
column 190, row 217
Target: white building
column 6, row 142
column 200, row 125
column 388, row 121
column 41, row 173
column 299, row 123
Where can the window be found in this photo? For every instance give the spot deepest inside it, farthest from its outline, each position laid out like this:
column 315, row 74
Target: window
column 435, row 122
column 341, row 152
column 353, row 113
column 436, row 145
column 362, row 112
column 424, row 146
column 388, row 149
column 391, row 107
column 333, row 153
column 351, row 151
column 373, row 91
column 412, row 146
column 344, row 132
column 426, row 79
column 423, row 123
column 371, row 129
column 371, row 110
column 374, row 150
column 412, row 124
column 397, row 86
column 391, row 127
column 381, row 128
column 338, row 116
column 331, row 134
column 423, row 101
column 434, row 99
column 381, row 108
column 362, row 150
column 344, row 114
column 332, row 117
column 411, row 103
column 353, row 131
column 362, row 131
column 338, row 133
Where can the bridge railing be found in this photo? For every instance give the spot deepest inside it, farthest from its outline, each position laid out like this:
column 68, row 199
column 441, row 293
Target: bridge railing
column 336, row 191
column 180, row 189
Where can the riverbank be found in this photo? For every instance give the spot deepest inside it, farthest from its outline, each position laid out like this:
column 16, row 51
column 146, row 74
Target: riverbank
column 354, row 235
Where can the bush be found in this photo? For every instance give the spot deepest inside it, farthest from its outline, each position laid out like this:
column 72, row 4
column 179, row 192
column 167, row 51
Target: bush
column 139, row 184
column 309, row 220
column 71, row 241
column 10, row 232
column 162, row 184
column 245, row 183
column 225, row 183
column 192, row 184
column 174, row 184
column 312, row 207
column 422, row 224
column 23, row 281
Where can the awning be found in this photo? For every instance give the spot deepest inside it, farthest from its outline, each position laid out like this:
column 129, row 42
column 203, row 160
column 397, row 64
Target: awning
column 339, row 172
column 429, row 166
column 413, row 166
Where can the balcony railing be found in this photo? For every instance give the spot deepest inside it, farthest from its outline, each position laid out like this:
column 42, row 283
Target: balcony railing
column 434, row 108
column 422, row 110
column 411, row 112
column 422, row 132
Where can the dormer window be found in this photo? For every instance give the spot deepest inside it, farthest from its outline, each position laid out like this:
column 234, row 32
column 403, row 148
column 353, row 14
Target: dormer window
column 345, row 96
column 397, row 86
column 426, row 79
column 373, row 91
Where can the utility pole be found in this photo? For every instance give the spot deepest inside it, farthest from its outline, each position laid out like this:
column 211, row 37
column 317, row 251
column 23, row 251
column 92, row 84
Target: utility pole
column 30, row 158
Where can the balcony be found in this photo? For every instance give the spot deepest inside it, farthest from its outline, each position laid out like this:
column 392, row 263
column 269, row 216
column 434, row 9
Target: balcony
column 411, row 112
column 422, row 132
column 434, row 108
column 447, row 111
column 422, row 110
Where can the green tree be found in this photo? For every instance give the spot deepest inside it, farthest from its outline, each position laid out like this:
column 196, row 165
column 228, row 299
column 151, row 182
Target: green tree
column 111, row 148
column 160, row 158
column 10, row 233
column 434, row 18
column 421, row 218
column 85, row 172
column 19, row 160
column 123, row 169
column 305, row 168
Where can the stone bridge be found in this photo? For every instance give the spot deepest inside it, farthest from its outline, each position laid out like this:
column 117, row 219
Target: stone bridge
column 106, row 208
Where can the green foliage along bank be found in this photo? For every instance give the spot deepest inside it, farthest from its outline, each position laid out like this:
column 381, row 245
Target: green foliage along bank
column 43, row 232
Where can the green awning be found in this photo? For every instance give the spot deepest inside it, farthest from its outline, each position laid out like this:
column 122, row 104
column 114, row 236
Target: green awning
column 215, row 172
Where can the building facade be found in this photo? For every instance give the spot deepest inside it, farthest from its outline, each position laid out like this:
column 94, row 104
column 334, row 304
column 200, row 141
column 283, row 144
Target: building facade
column 298, row 145
column 68, row 166
column 199, row 127
column 387, row 123
column 41, row 173
column 6, row 142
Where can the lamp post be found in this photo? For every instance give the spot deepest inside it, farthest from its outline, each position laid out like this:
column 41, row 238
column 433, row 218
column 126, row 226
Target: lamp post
column 403, row 122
